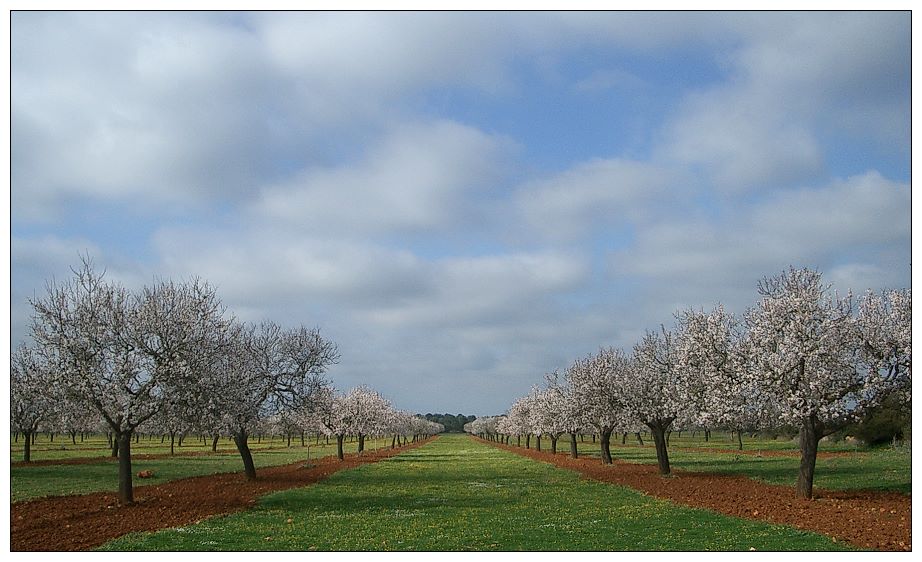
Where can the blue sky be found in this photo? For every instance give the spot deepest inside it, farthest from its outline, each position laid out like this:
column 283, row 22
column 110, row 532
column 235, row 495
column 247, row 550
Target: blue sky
column 462, row 201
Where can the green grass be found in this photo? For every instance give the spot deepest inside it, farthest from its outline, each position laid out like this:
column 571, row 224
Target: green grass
column 95, row 446
column 882, row 469
column 29, row 482
column 457, row 494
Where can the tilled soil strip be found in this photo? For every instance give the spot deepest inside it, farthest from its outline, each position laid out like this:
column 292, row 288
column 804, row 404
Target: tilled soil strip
column 87, row 521
column 865, row 519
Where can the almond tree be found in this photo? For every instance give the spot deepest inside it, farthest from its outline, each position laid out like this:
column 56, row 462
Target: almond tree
column 595, row 382
column 709, row 350
column 83, row 327
column 31, row 400
column 263, row 371
column 658, row 391
column 824, row 366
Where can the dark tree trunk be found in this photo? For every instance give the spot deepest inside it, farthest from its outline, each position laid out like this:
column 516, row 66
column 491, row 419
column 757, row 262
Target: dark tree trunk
column 707, row 435
column 51, row 437
column 172, row 442
column 361, row 442
column 394, row 441
column 624, row 438
column 289, row 440
column 249, row 469
column 302, row 438
column 137, row 439
column 27, row 446
column 73, row 437
column 538, row 442
column 668, row 435
column 518, row 440
column 739, row 438
column 573, row 452
column 214, row 443
column 605, row 440
column 125, row 490
column 593, row 437
column 528, row 440
column 162, row 438
column 339, row 446
column 658, row 430
column 114, row 446
column 639, row 439
column 811, row 431
column 554, row 444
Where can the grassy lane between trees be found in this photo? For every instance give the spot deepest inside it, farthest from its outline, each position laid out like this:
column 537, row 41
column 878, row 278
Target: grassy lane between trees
column 29, row 482
column 457, row 494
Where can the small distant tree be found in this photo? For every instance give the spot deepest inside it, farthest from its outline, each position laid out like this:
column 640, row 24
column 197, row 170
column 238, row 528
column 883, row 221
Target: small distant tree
column 31, row 400
column 596, row 383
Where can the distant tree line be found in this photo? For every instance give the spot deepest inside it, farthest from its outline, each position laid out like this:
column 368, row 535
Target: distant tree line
column 454, row 423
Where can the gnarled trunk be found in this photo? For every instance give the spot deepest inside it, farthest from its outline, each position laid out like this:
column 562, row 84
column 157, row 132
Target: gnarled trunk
column 339, row 446
column 240, row 439
column 658, row 429
column 605, row 440
column 125, row 489
column 27, row 446
column 811, row 431
column 214, row 443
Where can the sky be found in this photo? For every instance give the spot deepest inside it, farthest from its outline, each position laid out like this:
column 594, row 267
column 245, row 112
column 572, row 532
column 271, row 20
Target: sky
column 463, row 202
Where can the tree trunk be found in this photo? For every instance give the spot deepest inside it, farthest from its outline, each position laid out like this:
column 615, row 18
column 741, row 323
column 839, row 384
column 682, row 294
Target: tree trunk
column 289, row 439
column 605, row 444
column 249, row 469
column 739, row 438
column 339, row 446
column 811, row 431
column 73, row 437
column 114, row 446
column 528, row 440
column 659, row 439
column 624, row 438
column 125, row 490
column 593, row 437
column 639, row 439
column 554, row 444
column 302, row 438
column 707, row 435
column 538, row 442
column 172, row 442
column 518, row 440
column 27, row 446
column 214, row 443
column 573, row 452
column 361, row 442
column 394, row 441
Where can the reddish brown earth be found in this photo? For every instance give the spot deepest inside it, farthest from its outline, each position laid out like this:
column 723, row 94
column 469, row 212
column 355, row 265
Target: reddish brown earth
column 865, row 519
column 87, row 521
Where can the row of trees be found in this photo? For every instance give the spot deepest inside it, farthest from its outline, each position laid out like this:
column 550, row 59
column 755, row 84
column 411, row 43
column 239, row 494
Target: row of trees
column 170, row 355
column 803, row 356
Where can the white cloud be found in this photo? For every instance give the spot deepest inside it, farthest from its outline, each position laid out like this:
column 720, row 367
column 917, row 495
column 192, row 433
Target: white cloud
column 794, row 79
column 419, row 177
column 613, row 192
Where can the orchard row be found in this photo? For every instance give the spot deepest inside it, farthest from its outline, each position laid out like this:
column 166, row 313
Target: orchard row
column 803, row 356
column 170, row 359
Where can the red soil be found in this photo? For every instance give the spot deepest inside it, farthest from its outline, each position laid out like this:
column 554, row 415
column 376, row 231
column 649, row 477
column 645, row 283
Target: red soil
column 87, row 521
column 865, row 519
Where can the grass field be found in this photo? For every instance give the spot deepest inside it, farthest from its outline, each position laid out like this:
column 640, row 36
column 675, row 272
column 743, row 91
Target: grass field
column 882, row 468
column 28, row 482
column 457, row 494
column 95, row 446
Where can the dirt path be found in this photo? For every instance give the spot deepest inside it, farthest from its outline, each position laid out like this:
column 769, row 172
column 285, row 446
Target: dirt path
column 878, row 520
column 87, row 521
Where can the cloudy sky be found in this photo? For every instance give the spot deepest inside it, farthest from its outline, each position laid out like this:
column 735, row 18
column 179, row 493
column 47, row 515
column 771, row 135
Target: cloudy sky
column 463, row 202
